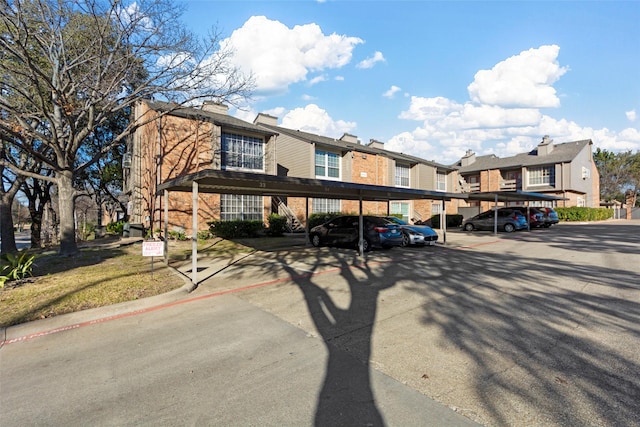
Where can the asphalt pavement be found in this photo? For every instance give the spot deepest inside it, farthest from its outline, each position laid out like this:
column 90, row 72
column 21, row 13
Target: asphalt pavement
column 533, row 328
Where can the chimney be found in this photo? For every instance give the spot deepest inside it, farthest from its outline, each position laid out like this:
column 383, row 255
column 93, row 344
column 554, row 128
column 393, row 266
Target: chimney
column 265, row 119
column 468, row 158
column 349, row 138
column 215, row 107
column 376, row 144
column 546, row 146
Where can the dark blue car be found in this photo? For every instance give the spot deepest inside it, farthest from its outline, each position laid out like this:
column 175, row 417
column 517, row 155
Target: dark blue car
column 344, row 230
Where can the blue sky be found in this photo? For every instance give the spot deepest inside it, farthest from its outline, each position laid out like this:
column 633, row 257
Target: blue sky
column 434, row 79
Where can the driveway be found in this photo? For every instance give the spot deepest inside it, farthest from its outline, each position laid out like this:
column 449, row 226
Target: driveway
column 537, row 328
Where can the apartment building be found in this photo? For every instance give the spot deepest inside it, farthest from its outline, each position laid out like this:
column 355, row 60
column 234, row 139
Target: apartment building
column 174, row 141
column 306, row 155
column 564, row 170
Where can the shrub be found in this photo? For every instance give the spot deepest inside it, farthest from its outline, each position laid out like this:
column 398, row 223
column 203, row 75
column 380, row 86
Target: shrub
column 584, row 214
column 177, row 235
column 277, row 225
column 453, row 221
column 235, row 229
column 204, row 235
column 115, row 227
column 15, row 267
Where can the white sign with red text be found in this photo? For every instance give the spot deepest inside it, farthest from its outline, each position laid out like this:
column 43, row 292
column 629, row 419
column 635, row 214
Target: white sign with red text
column 153, row 248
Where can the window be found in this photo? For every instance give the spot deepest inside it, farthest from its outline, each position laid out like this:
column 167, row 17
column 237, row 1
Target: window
column 327, row 165
column 242, row 152
column 441, row 181
column 436, row 208
column 325, row 205
column 541, row 176
column 401, row 208
column 402, row 175
column 581, row 203
column 240, row 207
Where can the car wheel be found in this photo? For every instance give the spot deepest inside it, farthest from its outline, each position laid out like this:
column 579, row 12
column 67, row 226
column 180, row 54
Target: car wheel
column 509, row 228
column 366, row 246
column 468, row 227
column 315, row 240
column 405, row 239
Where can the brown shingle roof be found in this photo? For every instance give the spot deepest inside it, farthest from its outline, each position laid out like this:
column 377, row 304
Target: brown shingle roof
column 222, row 120
column 561, row 153
column 343, row 145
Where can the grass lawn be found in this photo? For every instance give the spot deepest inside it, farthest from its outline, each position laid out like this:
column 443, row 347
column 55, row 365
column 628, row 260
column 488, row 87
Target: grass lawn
column 104, row 272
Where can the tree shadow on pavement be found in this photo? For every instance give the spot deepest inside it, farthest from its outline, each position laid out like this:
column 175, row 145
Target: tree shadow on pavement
column 545, row 341
column 346, row 397
column 508, row 333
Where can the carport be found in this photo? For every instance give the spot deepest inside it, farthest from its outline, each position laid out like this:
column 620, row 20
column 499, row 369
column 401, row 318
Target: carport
column 512, row 196
column 245, row 183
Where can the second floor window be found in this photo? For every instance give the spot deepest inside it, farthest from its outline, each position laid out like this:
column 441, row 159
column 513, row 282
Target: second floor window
column 441, row 181
column 402, row 175
column 540, row 176
column 327, row 165
column 242, row 152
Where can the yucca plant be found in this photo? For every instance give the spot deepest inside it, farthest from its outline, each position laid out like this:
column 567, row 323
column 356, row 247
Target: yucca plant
column 15, row 267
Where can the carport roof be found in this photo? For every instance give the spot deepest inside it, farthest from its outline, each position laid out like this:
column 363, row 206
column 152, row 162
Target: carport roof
column 513, row 196
column 218, row 181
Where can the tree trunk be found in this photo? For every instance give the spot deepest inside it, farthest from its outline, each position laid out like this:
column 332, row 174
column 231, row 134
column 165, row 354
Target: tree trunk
column 66, row 193
column 36, row 226
column 6, row 225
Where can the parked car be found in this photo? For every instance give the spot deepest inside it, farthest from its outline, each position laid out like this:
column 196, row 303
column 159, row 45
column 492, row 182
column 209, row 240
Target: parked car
column 550, row 216
column 536, row 217
column 344, row 230
column 508, row 220
column 415, row 234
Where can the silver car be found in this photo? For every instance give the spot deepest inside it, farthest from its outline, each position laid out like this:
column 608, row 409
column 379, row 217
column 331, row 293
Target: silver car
column 508, row 220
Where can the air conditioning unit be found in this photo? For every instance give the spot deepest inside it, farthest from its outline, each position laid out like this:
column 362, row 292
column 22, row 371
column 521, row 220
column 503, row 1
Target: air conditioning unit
column 586, row 173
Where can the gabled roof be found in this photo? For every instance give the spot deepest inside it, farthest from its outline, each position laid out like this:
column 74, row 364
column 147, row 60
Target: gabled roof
column 218, row 119
column 350, row 146
column 561, row 153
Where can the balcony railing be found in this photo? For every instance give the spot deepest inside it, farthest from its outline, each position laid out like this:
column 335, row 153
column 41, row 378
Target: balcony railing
column 471, row 188
column 510, row 184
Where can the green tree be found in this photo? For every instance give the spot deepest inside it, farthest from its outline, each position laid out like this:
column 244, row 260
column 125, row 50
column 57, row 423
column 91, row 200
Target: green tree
column 69, row 66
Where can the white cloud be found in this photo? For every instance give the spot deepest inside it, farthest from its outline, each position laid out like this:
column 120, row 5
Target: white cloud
column 370, row 62
column 524, row 80
column 631, row 115
column 315, row 120
column 502, row 117
column 391, row 92
column 339, row 78
column 429, row 108
column 306, row 97
column 287, row 55
column 317, row 79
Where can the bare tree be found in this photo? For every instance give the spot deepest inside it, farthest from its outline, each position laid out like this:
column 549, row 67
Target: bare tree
column 67, row 66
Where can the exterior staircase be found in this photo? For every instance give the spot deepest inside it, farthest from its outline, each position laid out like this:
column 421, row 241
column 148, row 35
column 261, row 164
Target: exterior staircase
column 293, row 224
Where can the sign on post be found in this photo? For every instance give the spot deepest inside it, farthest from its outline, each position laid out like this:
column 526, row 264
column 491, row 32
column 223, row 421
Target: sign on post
column 152, row 248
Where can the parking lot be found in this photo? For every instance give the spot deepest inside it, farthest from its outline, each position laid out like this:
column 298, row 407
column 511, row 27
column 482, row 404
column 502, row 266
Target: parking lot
column 526, row 328
column 533, row 328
